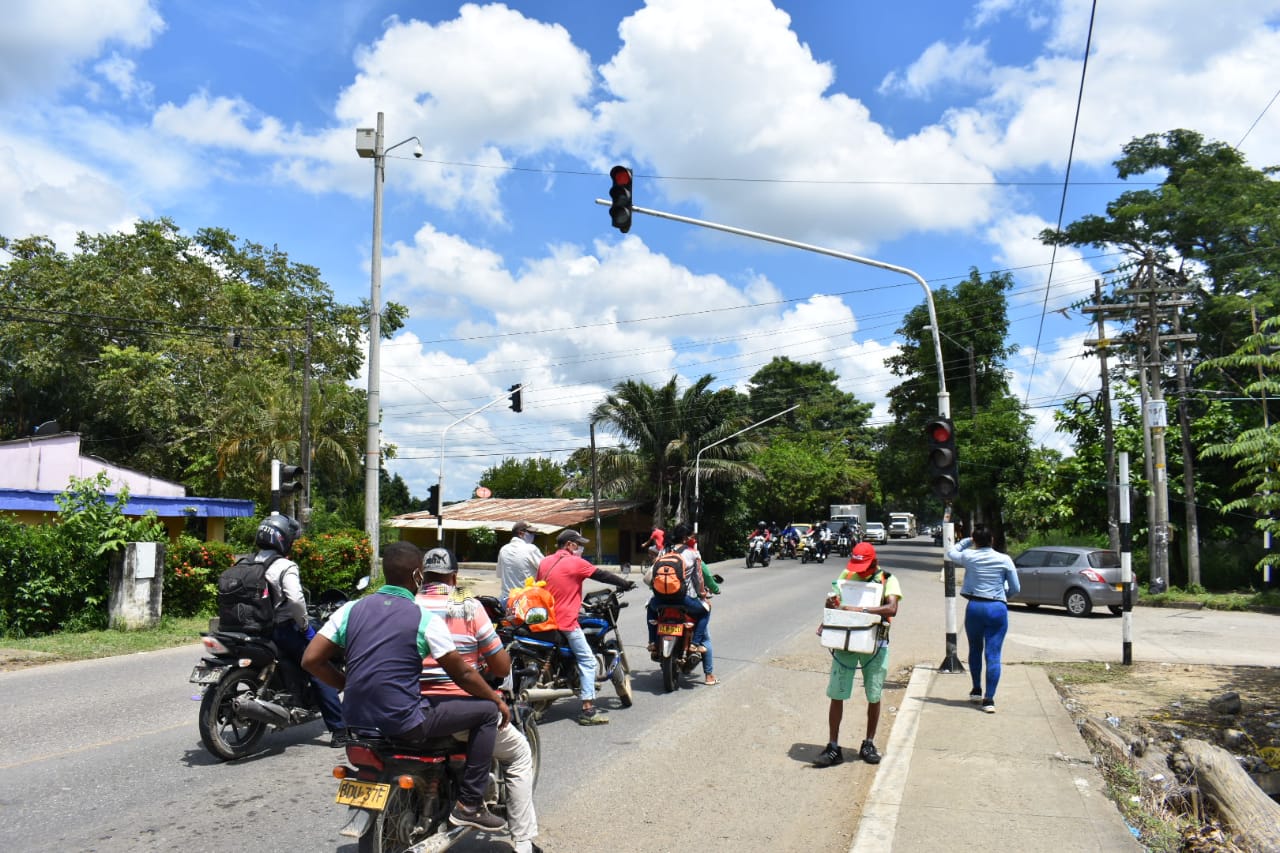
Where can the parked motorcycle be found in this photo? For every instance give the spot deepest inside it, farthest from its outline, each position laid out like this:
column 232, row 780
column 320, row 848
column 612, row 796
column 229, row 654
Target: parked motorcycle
column 399, row 797
column 544, row 668
column 757, row 551
column 247, row 689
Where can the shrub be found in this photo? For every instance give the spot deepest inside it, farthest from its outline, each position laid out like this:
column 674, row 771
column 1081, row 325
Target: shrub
column 332, row 560
column 191, row 576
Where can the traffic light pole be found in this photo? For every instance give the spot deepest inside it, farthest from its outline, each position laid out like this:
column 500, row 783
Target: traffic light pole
column 439, row 509
column 697, row 463
column 951, row 663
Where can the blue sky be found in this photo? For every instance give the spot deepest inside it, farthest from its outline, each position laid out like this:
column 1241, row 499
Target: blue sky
column 932, row 135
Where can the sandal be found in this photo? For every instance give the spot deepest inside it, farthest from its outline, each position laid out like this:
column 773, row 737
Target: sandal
column 711, row 680
column 702, row 650
column 653, row 651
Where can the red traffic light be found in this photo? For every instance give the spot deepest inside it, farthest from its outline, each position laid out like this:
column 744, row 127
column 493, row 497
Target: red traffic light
column 621, row 176
column 940, row 432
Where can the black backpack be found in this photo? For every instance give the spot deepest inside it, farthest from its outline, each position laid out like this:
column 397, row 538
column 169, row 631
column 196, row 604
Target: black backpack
column 245, row 600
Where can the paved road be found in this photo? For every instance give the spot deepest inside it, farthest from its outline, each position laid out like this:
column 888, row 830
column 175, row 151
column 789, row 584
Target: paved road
column 105, row 756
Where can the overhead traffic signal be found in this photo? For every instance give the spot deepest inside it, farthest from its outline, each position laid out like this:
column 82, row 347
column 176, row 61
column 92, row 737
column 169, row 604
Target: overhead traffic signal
column 944, row 464
column 517, row 397
column 433, row 499
column 620, row 192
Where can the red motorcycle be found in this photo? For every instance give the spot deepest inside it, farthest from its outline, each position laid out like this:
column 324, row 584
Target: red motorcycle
column 676, row 654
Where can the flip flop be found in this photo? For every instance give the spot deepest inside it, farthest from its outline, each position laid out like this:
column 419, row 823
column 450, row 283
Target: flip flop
column 712, row 681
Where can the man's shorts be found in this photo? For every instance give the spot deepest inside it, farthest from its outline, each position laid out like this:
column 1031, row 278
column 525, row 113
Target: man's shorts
column 845, row 664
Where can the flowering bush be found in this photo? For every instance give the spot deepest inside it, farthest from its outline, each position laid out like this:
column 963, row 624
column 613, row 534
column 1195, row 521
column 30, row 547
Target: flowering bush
column 191, row 576
column 332, row 560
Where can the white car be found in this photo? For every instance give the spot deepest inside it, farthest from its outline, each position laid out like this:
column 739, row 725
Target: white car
column 875, row 533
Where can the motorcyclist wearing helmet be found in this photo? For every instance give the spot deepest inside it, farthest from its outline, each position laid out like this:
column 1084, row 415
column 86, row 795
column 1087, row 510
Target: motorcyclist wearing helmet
column 276, row 535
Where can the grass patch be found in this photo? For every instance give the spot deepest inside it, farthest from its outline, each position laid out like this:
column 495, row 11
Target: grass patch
column 1160, row 828
column 1084, row 672
column 100, row 644
column 1238, row 600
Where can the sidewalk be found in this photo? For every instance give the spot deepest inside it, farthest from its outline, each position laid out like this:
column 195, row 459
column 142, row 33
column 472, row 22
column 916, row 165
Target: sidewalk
column 1017, row 780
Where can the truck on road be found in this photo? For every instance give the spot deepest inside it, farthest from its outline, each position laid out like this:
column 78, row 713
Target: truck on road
column 855, row 514
column 902, row 525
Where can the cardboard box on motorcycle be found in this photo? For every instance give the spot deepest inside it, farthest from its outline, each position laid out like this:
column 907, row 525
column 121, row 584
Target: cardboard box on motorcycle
column 849, row 631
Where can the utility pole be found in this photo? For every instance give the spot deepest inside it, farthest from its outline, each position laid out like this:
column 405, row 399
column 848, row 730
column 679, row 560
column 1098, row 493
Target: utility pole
column 1104, row 403
column 304, row 440
column 1191, row 514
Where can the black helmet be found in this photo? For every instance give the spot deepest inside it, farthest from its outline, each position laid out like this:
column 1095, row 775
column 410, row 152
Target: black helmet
column 277, row 533
column 762, row 524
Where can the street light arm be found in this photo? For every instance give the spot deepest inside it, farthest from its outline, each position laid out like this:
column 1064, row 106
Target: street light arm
column 697, row 458
column 440, row 477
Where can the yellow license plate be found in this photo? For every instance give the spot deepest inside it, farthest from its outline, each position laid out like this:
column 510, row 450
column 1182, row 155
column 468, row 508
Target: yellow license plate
column 363, row 795
column 1118, row 587
column 674, row 630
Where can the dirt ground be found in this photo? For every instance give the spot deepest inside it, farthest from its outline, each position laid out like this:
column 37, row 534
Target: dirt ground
column 1165, row 703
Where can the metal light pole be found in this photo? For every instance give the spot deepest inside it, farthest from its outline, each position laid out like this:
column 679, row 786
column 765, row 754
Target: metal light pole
column 697, row 462
column 369, row 145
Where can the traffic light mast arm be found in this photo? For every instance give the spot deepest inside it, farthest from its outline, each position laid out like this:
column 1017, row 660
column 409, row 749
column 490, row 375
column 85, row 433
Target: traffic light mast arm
column 440, row 478
column 944, row 399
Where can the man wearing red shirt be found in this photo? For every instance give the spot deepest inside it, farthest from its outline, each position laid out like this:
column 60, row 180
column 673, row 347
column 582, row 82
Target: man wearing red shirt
column 564, row 571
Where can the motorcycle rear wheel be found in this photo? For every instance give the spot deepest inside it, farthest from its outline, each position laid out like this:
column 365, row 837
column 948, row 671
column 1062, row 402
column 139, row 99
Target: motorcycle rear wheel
column 394, row 828
column 226, row 736
column 670, row 674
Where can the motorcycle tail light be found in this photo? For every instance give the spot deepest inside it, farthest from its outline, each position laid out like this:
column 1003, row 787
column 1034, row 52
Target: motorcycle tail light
column 245, row 663
column 1090, row 574
column 342, row 772
column 214, row 645
column 363, row 756
column 405, row 782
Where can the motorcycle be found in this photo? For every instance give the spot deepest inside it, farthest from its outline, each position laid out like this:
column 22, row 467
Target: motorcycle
column 811, row 550
column 247, row 688
column 844, row 544
column 399, row 797
column 757, row 551
column 545, row 669
column 676, row 655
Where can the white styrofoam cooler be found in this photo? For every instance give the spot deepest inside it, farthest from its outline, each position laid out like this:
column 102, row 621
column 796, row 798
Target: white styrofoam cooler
column 849, row 631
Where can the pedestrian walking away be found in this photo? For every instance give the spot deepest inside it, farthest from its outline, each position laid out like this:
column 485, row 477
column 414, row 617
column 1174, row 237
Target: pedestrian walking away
column 517, row 560
column 989, row 579
column 863, row 566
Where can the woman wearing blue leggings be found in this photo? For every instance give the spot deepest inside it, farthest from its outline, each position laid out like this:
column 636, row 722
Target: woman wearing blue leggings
column 989, row 578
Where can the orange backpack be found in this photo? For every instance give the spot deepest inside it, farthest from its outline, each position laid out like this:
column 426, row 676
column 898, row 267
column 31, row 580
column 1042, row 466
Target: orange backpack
column 532, row 606
column 668, row 577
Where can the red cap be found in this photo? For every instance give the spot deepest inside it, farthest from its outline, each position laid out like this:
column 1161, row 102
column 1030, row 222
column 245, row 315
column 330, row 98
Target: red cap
column 861, row 558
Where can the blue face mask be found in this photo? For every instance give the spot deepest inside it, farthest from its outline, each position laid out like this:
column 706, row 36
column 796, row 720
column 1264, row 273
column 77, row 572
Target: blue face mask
column 527, row 536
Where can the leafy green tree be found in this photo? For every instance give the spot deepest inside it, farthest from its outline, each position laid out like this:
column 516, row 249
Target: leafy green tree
column 182, row 355
column 992, row 431
column 536, row 477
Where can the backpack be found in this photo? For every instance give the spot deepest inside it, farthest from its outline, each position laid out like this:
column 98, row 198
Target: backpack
column 245, row 600
column 532, row 606
column 667, row 577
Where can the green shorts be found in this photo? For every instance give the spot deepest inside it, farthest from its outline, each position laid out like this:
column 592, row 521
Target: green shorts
column 843, row 666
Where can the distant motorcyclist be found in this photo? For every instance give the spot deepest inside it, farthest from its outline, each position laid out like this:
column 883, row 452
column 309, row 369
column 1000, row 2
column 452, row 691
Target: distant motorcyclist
column 274, row 540
column 824, row 540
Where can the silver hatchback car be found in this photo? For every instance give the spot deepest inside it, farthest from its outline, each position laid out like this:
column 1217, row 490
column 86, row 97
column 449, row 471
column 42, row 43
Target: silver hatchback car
column 1072, row 577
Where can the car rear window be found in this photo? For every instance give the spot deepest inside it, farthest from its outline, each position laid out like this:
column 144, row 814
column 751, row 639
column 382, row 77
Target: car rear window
column 1104, row 559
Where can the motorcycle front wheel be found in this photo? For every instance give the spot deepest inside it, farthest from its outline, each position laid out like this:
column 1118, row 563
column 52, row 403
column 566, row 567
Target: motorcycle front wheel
column 226, row 735
column 398, row 826
column 621, row 677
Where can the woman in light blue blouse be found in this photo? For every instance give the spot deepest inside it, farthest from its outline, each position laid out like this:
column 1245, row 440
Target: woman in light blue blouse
column 987, row 576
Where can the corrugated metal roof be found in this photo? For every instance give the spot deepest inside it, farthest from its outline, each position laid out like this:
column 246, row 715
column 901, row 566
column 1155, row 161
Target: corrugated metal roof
column 547, row 515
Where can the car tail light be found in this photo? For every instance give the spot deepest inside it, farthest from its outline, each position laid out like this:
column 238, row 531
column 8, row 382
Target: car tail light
column 1090, row 574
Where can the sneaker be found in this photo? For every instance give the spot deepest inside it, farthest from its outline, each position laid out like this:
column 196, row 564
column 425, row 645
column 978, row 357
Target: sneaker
column 594, row 717
column 868, row 753
column 830, row 757
column 975, row 696
column 988, row 706
column 338, row 739
column 477, row 816
column 525, row 847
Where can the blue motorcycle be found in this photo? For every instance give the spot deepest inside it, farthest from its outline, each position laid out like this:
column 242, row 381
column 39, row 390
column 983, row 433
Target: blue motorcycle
column 544, row 668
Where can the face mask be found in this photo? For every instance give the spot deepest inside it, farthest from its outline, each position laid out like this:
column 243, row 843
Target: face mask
column 527, row 536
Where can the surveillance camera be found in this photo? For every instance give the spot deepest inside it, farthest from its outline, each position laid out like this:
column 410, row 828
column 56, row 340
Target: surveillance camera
column 417, row 151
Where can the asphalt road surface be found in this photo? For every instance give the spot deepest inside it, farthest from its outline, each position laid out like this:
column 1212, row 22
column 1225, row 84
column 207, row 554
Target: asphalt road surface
column 105, row 755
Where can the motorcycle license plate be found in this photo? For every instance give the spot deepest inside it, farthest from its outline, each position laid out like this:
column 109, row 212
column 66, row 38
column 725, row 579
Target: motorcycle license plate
column 363, row 795
column 673, row 630
column 206, row 674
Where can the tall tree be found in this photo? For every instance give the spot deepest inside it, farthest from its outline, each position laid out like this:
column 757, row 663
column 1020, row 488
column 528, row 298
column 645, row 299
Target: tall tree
column 524, row 478
column 662, row 432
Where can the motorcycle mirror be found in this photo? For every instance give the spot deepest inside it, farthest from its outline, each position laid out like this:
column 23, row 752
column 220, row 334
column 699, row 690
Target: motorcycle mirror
column 363, row 583
column 718, row 578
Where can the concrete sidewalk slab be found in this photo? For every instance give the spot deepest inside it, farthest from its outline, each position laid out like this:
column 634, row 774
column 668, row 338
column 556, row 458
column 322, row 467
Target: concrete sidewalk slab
column 956, row 778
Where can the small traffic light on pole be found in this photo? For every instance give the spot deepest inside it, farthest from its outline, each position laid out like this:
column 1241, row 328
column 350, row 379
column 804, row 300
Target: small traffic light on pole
column 517, row 397
column 620, row 192
column 284, row 478
column 433, row 499
column 944, row 465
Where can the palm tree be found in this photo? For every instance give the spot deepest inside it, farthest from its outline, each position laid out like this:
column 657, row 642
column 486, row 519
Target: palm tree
column 662, row 431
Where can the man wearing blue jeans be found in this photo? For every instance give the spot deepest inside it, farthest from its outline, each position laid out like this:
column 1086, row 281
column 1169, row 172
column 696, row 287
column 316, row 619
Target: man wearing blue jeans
column 564, row 571
column 987, row 576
